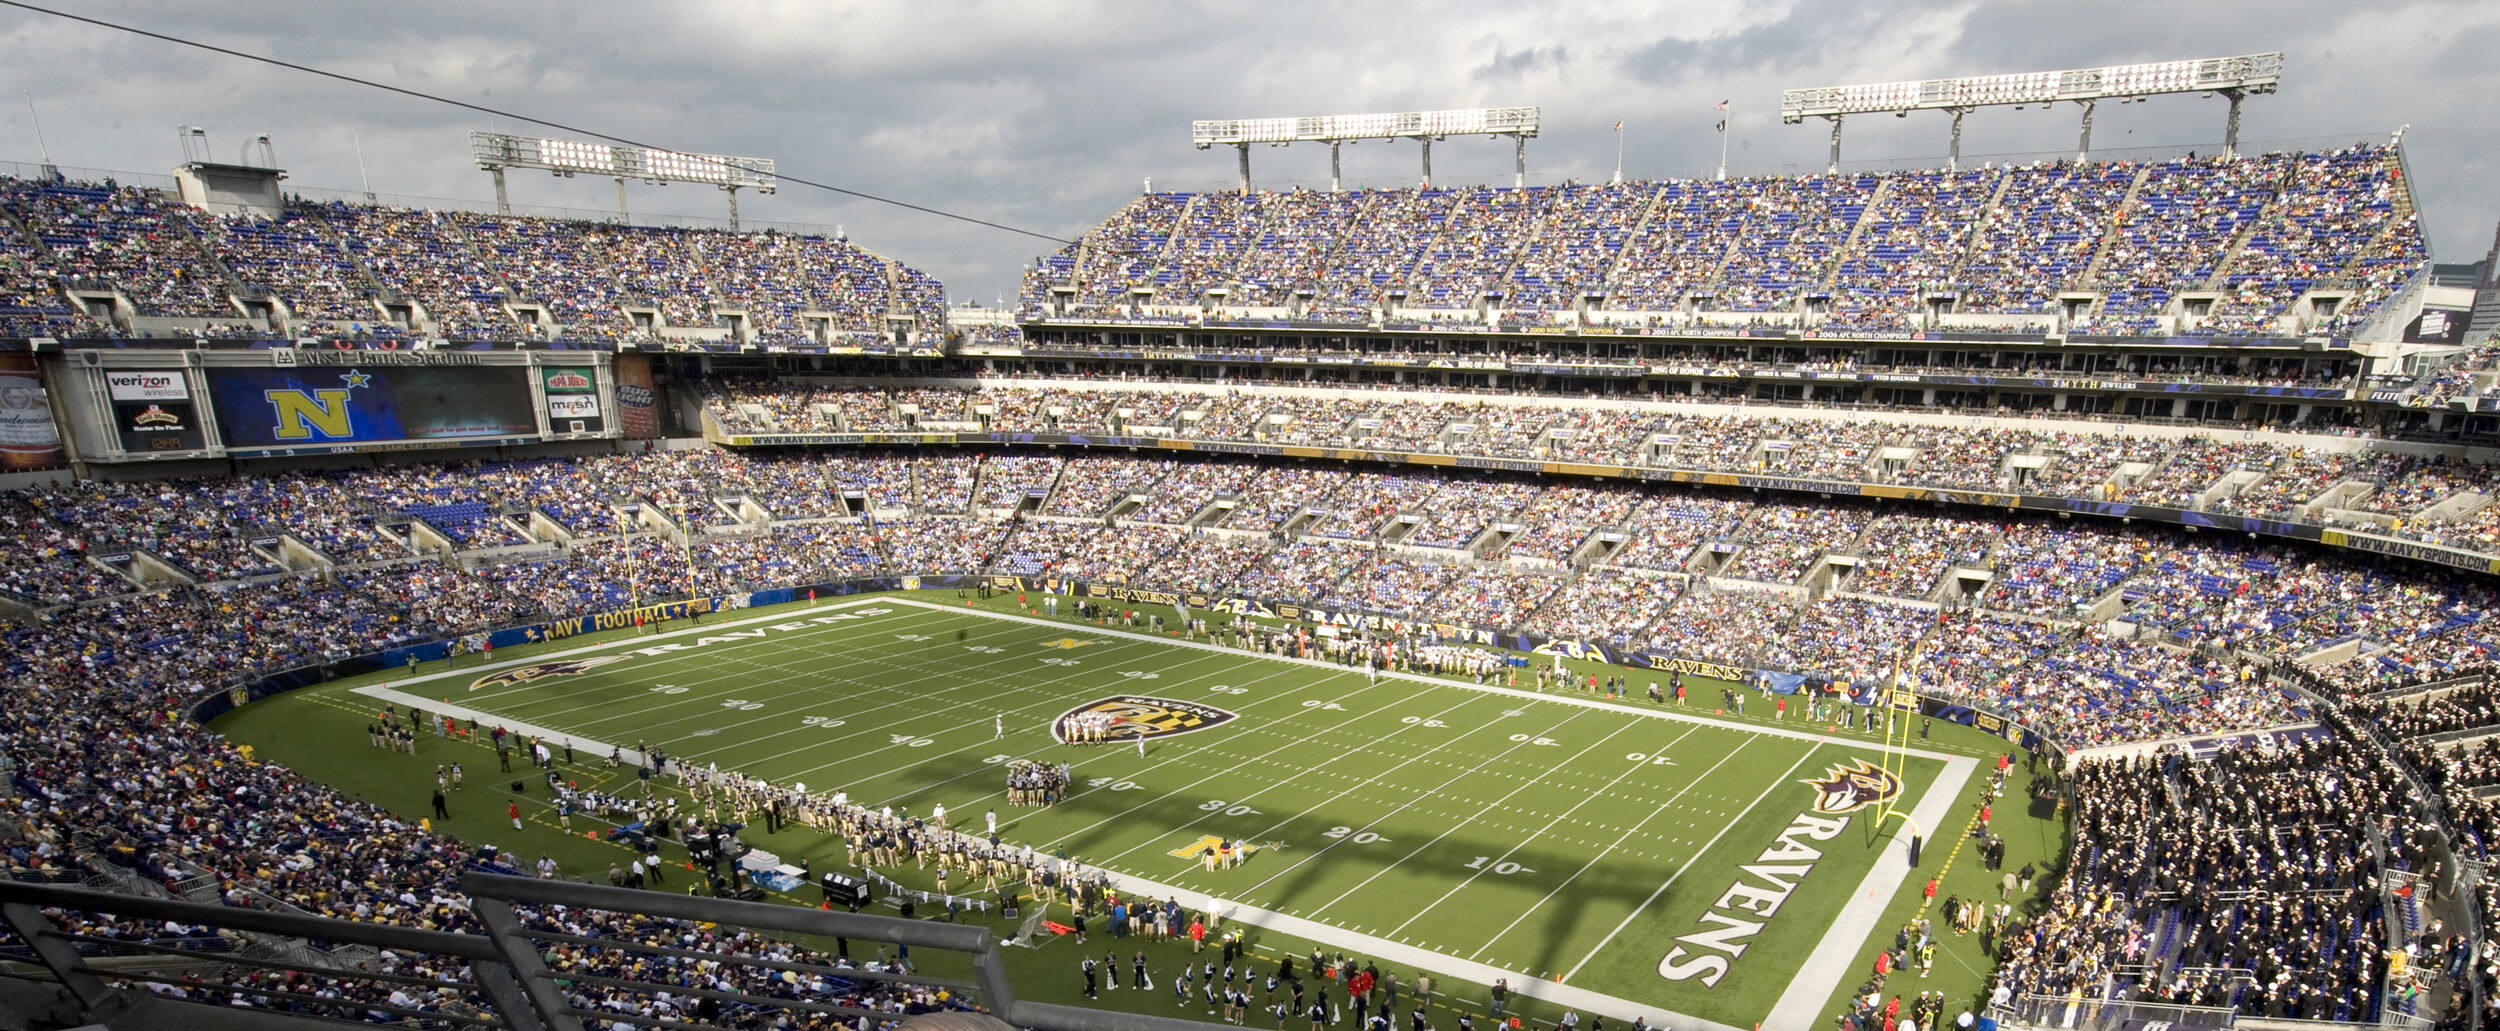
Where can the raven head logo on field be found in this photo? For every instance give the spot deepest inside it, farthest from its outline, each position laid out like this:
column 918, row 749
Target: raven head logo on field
column 1849, row 787
column 543, row 670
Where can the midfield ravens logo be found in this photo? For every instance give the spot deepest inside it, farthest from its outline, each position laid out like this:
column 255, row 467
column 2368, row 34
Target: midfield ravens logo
column 1849, row 788
column 1137, row 716
column 543, row 670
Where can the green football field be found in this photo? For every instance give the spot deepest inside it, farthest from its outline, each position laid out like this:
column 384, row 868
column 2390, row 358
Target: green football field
column 1479, row 831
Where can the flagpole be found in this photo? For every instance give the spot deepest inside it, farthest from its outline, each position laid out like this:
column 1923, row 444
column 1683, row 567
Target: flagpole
column 1618, row 180
column 1723, row 141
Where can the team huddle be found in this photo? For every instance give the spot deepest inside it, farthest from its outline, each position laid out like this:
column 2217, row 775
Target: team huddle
column 1033, row 783
column 1088, row 728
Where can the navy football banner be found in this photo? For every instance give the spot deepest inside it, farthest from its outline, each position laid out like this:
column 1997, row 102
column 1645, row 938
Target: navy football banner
column 310, row 406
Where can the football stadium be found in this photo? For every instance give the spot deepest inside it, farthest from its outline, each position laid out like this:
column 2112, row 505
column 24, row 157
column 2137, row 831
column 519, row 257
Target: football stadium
column 2039, row 593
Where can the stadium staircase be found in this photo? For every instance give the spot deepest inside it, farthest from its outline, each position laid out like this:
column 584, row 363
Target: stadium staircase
column 1829, row 276
column 180, row 217
column 480, row 260
column 1970, row 241
column 18, row 232
column 1614, row 272
column 328, row 231
column 2118, row 216
column 2237, row 248
column 1735, row 245
column 1526, row 247
column 980, row 479
column 1050, row 491
column 1407, row 282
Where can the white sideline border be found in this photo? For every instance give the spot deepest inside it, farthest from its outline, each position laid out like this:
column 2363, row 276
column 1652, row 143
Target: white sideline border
column 1797, row 1006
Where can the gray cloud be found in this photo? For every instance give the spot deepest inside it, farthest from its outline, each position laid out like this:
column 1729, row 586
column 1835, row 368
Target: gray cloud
column 1508, row 64
column 1048, row 115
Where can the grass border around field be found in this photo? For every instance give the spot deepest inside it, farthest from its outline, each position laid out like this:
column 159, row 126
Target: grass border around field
column 1852, row 925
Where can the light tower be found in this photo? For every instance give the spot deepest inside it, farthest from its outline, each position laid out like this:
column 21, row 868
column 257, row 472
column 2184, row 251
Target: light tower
column 1518, row 123
column 2234, row 78
column 498, row 151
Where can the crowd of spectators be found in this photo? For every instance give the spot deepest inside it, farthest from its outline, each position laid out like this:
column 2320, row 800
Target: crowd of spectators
column 2254, row 597
column 2249, row 880
column 335, row 267
column 2079, row 684
column 1848, row 639
column 2258, row 231
column 1728, row 626
column 1781, row 540
column 2339, row 204
column 1903, row 555
column 2058, row 572
column 120, row 237
column 1611, row 604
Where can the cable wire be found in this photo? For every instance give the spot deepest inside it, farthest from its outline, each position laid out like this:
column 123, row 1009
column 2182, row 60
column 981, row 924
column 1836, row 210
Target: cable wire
column 501, row 113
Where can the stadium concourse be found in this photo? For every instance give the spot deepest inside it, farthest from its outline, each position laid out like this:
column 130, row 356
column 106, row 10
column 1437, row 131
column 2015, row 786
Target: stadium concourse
column 2321, row 875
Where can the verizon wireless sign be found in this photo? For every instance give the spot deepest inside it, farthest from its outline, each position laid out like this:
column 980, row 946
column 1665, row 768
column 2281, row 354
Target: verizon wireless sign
column 147, row 385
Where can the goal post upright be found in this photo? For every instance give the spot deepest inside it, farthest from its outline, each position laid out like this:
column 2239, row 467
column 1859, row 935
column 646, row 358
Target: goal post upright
column 1895, row 756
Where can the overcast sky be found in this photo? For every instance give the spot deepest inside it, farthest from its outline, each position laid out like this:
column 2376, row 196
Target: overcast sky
column 1048, row 116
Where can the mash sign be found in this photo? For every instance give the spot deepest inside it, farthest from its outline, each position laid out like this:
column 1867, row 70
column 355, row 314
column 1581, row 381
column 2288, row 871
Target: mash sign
column 1138, row 716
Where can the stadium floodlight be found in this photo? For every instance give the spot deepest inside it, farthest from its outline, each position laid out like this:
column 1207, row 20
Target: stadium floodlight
column 2234, row 78
column 1518, row 123
column 496, row 151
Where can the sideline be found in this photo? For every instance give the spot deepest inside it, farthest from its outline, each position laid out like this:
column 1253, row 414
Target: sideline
column 1414, row 958
column 1855, row 925
column 389, row 689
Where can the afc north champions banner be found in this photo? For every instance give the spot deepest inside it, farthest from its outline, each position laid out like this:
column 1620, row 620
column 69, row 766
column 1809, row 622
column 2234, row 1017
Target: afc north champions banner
column 314, row 405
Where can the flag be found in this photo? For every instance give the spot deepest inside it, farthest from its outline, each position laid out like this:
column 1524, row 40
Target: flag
column 1722, row 105
column 1722, row 125
column 1618, row 125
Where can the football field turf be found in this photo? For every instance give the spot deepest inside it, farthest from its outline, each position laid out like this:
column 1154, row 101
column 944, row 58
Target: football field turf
column 1487, row 831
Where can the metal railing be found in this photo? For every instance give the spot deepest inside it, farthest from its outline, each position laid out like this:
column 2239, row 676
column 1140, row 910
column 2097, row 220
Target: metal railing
column 2085, row 1013
column 516, row 974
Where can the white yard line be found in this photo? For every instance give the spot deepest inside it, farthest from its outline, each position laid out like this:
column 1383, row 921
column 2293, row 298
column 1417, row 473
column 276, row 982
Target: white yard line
column 1670, row 713
column 391, row 691
column 1410, row 957
column 1603, row 792
column 1464, row 821
column 1775, row 784
column 1352, row 717
column 989, row 772
column 1426, row 793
